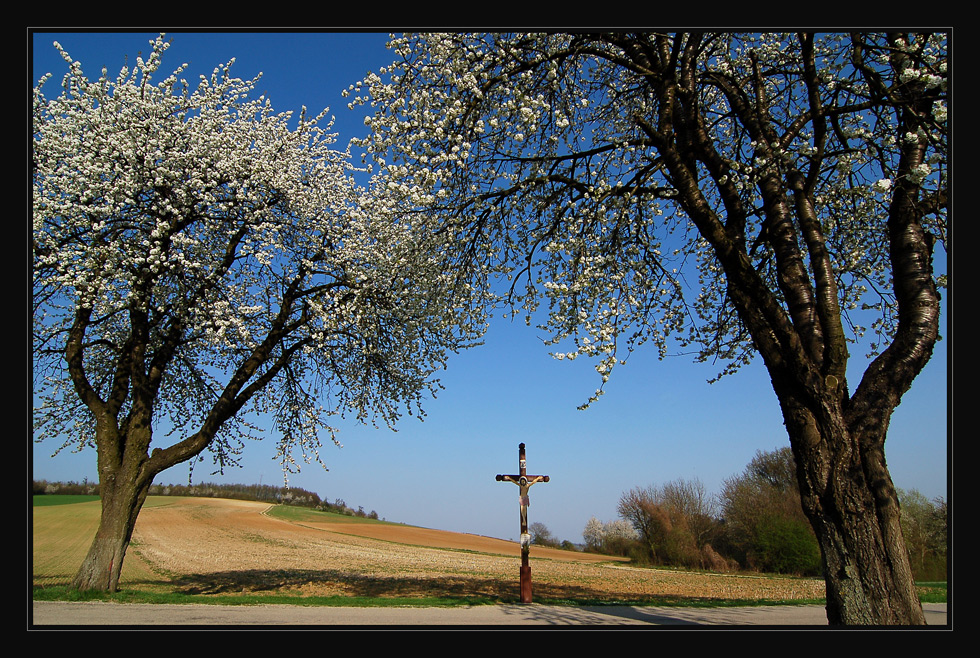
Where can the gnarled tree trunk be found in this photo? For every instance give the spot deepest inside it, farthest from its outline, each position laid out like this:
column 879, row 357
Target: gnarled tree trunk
column 853, row 507
column 122, row 499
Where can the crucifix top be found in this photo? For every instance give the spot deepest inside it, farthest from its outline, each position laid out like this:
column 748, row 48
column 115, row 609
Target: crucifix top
column 523, row 480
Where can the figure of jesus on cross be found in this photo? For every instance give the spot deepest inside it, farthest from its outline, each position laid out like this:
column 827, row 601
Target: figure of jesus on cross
column 524, row 482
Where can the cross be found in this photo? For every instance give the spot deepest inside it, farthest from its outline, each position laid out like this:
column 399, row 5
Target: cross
column 524, row 482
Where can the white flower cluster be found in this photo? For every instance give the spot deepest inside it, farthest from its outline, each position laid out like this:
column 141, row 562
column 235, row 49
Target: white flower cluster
column 564, row 194
column 233, row 253
column 596, row 533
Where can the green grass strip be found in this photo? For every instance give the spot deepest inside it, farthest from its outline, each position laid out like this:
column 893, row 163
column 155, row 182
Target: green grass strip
column 47, row 500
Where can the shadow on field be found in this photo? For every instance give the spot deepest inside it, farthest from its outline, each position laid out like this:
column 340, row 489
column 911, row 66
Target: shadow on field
column 327, row 582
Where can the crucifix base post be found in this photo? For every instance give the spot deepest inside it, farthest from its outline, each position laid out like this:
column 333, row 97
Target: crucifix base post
column 525, row 581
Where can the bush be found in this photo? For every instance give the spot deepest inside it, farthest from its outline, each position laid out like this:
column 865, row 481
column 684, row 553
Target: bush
column 764, row 525
column 785, row 546
column 674, row 521
column 715, row 561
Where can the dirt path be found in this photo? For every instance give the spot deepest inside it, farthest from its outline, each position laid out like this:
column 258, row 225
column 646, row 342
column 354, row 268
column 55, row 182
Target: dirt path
column 136, row 615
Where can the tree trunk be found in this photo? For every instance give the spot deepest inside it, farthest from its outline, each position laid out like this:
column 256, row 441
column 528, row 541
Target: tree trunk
column 122, row 500
column 852, row 505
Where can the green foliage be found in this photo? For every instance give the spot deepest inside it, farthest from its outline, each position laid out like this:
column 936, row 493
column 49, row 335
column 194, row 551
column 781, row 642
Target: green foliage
column 785, row 545
column 638, row 553
column 764, row 525
column 925, row 527
column 625, row 546
column 756, row 523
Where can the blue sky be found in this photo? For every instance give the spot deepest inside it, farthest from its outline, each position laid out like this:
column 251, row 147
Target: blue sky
column 658, row 421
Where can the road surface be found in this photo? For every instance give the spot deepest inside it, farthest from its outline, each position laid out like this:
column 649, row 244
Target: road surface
column 61, row 614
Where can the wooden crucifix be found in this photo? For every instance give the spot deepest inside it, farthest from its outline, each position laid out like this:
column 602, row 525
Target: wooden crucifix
column 524, row 482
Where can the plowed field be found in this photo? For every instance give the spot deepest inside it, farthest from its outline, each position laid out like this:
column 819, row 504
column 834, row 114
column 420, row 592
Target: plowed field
column 214, row 546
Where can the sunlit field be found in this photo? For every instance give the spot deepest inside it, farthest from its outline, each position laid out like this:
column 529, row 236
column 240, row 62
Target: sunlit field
column 206, row 546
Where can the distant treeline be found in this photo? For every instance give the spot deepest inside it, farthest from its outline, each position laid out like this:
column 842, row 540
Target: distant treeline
column 258, row 492
column 756, row 523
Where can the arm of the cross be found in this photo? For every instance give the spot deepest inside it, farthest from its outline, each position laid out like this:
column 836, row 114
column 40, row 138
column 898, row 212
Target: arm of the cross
column 528, row 479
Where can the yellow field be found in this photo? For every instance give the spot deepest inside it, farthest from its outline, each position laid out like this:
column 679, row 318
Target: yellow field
column 213, row 546
column 61, row 537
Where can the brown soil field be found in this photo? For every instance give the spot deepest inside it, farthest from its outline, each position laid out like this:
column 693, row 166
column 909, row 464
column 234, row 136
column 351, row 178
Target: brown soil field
column 215, row 546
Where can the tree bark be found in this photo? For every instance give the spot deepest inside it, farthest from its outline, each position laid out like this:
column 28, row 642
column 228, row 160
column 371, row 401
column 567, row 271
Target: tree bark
column 837, row 440
column 122, row 499
column 852, row 505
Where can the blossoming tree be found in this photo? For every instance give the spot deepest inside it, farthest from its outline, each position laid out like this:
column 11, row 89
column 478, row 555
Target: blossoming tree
column 197, row 261
column 771, row 195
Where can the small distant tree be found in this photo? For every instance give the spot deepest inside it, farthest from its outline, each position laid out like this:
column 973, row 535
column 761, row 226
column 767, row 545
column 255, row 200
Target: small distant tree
column 541, row 536
column 593, row 534
column 638, row 507
column 690, row 500
column 643, row 509
column 197, row 259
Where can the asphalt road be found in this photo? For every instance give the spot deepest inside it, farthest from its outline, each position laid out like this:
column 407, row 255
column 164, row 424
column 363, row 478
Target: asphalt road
column 61, row 614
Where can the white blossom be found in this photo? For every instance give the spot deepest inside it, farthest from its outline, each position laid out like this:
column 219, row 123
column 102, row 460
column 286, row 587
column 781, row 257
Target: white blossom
column 561, row 171
column 194, row 223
